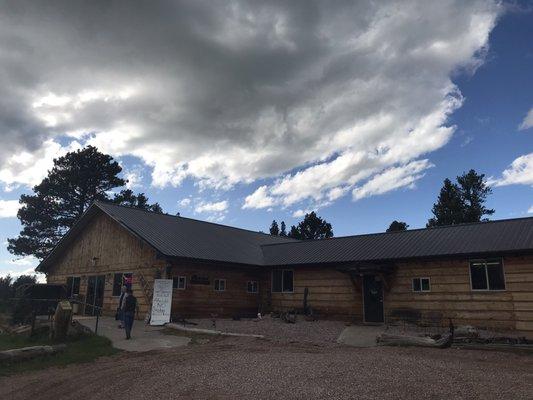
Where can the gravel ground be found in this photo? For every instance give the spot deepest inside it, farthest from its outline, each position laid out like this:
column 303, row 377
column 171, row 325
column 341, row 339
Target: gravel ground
column 244, row 368
column 323, row 332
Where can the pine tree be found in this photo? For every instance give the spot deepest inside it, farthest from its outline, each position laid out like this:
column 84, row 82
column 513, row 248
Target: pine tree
column 76, row 180
column 397, row 226
column 283, row 230
column 312, row 227
column 461, row 202
column 126, row 197
column 474, row 192
column 274, row 229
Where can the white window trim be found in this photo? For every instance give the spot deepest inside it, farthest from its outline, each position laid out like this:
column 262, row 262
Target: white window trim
column 272, row 281
column 184, row 282
column 421, row 290
column 256, row 285
column 488, row 289
column 215, row 285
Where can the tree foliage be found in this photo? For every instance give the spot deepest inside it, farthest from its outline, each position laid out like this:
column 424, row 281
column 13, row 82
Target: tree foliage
column 474, row 194
column 274, row 228
column 283, row 230
column 76, row 180
column 8, row 285
column 312, row 227
column 126, row 197
column 396, row 226
column 461, row 202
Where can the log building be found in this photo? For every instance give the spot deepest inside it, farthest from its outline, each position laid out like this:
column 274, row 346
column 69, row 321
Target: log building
column 479, row 274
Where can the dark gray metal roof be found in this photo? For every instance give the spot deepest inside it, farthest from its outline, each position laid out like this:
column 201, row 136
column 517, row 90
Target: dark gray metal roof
column 175, row 236
column 482, row 238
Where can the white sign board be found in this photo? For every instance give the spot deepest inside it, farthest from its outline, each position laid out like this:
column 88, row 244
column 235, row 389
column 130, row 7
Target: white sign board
column 161, row 302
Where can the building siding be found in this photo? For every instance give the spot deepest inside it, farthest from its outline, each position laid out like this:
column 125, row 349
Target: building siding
column 203, row 300
column 116, row 251
column 332, row 294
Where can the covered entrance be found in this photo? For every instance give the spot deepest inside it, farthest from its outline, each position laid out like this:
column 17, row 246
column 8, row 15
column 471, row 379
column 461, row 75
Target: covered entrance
column 370, row 280
column 373, row 299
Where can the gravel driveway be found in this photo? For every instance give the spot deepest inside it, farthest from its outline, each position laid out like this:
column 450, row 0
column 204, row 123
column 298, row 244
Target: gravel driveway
column 321, row 332
column 244, row 368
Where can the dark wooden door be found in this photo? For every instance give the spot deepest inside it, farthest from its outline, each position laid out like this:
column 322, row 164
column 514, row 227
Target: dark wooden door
column 373, row 298
column 95, row 294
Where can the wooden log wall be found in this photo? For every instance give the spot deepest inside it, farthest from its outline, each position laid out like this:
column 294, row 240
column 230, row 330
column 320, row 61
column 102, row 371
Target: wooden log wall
column 451, row 295
column 203, row 300
column 116, row 250
column 331, row 294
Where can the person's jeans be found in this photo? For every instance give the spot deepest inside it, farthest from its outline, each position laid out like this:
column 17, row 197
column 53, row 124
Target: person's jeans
column 128, row 323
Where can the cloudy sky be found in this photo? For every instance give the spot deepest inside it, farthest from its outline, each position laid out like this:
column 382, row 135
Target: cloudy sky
column 242, row 112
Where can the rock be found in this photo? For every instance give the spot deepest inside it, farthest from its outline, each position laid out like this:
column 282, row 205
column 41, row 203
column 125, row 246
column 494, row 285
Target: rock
column 387, row 339
column 26, row 353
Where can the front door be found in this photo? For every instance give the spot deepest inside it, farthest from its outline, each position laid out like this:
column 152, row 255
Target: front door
column 373, row 298
column 95, row 294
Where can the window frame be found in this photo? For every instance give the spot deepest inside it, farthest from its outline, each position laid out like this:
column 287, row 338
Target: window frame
column 220, row 280
column 422, row 290
column 486, row 261
column 282, row 270
column 256, row 287
column 179, row 277
column 121, row 284
column 69, row 290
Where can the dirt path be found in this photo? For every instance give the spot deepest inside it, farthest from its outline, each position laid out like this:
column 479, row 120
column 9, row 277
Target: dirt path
column 246, row 368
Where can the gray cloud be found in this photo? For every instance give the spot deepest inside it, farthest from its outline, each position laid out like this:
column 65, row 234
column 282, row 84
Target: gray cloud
column 232, row 92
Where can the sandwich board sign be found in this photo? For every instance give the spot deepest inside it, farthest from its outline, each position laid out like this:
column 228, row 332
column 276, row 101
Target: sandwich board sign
column 161, row 302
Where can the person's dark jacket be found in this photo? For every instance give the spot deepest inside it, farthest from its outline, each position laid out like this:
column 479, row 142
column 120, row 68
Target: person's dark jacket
column 130, row 304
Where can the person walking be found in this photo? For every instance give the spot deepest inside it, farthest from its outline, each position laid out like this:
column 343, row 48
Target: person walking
column 120, row 312
column 129, row 308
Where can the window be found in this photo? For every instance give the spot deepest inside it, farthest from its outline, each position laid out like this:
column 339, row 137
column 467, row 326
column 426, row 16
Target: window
column 421, row 285
column 252, row 287
column 121, row 279
column 220, row 285
column 73, row 286
column 179, row 282
column 487, row 275
column 282, row 281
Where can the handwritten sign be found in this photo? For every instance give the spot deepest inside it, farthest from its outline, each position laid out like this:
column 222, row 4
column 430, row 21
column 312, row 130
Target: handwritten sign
column 161, row 302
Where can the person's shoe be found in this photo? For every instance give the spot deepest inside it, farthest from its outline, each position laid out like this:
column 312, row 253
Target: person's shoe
column 120, row 327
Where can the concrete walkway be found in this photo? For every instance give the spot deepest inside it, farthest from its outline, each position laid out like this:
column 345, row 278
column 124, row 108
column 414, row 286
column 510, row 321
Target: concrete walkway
column 143, row 337
column 360, row 335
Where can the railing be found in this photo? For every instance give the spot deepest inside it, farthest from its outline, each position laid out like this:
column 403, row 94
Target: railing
column 26, row 310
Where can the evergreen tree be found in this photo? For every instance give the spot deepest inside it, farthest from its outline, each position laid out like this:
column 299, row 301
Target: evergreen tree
column 6, row 288
column 461, row 202
column 474, row 192
column 274, row 229
column 24, row 280
column 312, row 227
column 126, row 197
column 397, row 226
column 76, row 180
column 448, row 210
column 283, row 230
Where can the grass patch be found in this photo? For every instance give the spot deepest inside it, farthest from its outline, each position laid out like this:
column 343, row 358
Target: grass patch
column 85, row 348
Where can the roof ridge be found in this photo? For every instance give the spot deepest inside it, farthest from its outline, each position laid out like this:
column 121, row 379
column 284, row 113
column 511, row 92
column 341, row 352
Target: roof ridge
column 289, row 240
column 400, row 232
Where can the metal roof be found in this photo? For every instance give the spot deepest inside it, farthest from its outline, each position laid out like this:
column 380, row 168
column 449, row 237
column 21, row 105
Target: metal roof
column 175, row 236
column 481, row 238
